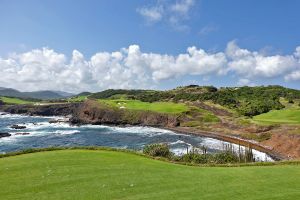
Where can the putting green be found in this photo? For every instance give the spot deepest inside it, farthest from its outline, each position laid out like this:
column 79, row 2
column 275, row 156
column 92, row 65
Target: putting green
column 86, row 174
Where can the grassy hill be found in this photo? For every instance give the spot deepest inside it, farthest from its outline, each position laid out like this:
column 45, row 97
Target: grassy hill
column 289, row 115
column 15, row 100
column 247, row 101
column 46, row 94
column 85, row 174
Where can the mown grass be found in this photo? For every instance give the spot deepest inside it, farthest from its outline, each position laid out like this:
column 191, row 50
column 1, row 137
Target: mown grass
column 160, row 107
column 285, row 116
column 101, row 174
column 13, row 100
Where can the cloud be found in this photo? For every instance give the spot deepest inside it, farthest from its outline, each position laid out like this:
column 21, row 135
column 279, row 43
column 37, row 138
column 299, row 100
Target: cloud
column 173, row 13
column 253, row 64
column 151, row 14
column 208, row 29
column 130, row 67
column 182, row 7
column 293, row 76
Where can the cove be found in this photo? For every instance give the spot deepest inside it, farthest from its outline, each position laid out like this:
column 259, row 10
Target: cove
column 39, row 133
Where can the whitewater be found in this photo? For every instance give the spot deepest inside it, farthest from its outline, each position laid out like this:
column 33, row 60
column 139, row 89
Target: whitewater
column 40, row 133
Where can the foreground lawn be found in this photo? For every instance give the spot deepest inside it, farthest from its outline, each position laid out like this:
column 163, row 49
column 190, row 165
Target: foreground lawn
column 162, row 107
column 12, row 100
column 84, row 174
column 288, row 116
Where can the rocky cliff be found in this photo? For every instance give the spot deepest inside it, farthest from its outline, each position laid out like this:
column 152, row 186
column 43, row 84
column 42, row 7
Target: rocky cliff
column 42, row 110
column 91, row 112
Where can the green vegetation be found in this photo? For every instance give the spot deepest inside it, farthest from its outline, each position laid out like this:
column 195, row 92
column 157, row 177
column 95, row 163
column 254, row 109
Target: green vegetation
column 111, row 92
column 247, row 101
column 286, row 116
column 200, row 156
column 161, row 107
column 84, row 174
column 14, row 100
column 78, row 98
column 199, row 117
column 157, row 150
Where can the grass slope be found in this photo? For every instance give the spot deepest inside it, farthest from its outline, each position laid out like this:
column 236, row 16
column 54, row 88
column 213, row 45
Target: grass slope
column 287, row 116
column 83, row 174
column 14, row 100
column 161, row 107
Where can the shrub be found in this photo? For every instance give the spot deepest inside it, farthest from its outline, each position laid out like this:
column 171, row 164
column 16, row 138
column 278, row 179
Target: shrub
column 196, row 158
column 226, row 157
column 157, row 150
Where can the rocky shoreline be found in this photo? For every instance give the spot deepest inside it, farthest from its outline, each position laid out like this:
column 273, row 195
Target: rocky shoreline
column 90, row 113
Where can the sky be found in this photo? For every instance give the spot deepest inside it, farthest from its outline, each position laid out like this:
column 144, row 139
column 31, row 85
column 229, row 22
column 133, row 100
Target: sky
column 93, row 45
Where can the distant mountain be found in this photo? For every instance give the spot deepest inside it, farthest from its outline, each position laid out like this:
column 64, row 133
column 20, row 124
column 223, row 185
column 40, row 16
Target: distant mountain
column 64, row 94
column 11, row 92
column 47, row 94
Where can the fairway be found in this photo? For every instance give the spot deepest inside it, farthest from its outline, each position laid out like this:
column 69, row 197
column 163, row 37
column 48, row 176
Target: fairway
column 86, row 174
column 161, row 107
column 12, row 100
column 288, row 116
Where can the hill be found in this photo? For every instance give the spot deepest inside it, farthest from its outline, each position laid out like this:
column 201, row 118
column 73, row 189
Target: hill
column 101, row 174
column 47, row 94
column 247, row 101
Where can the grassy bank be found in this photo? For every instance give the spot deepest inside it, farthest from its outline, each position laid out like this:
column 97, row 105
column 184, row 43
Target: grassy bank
column 83, row 174
column 286, row 116
column 161, row 107
column 14, row 100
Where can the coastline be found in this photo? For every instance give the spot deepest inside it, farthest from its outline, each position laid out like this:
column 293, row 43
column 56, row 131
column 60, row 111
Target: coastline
column 276, row 156
column 184, row 130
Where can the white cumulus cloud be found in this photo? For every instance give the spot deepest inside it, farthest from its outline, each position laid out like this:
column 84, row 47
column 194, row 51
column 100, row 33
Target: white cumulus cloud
column 252, row 64
column 46, row 69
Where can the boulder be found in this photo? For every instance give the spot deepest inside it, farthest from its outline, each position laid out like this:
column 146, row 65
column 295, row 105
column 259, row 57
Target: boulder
column 22, row 133
column 15, row 126
column 4, row 135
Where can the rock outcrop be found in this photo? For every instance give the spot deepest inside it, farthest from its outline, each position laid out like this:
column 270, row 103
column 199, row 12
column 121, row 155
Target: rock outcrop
column 15, row 126
column 63, row 109
column 91, row 112
column 4, row 135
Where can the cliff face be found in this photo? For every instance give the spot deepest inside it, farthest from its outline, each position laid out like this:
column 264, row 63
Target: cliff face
column 91, row 112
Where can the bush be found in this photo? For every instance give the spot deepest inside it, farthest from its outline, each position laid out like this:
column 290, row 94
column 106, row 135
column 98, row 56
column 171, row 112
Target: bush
column 196, row 158
column 226, row 157
column 157, row 150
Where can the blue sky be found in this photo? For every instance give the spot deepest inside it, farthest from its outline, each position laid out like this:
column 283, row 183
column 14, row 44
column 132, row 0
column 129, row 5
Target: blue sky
column 244, row 43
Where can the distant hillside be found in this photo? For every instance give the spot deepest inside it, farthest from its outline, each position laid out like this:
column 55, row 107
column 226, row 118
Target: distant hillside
column 84, row 94
column 64, row 94
column 248, row 101
column 35, row 95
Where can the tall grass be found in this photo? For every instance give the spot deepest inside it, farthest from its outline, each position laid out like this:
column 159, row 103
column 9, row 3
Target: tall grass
column 200, row 156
